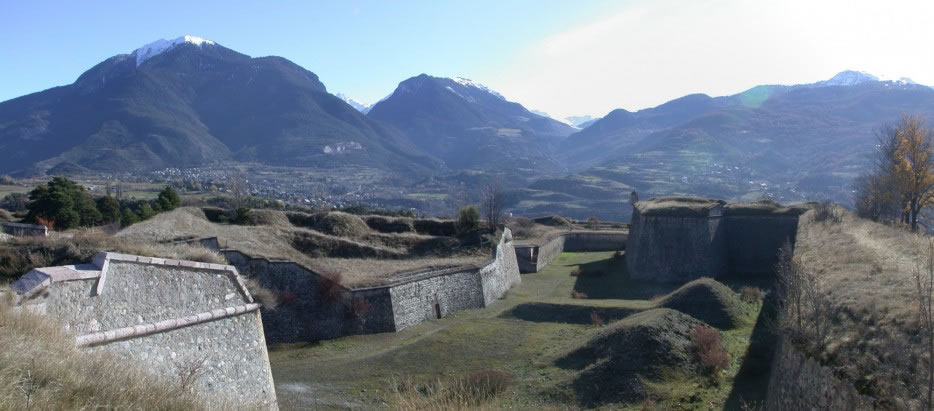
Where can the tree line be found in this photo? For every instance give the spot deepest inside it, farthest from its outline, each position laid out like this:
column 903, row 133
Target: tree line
column 62, row 204
column 900, row 183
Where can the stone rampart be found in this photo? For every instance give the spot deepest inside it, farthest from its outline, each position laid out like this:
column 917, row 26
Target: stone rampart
column 24, row 230
column 532, row 258
column 169, row 316
column 800, row 383
column 313, row 307
column 678, row 240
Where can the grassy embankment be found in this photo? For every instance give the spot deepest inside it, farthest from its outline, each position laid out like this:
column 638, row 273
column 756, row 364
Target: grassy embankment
column 523, row 337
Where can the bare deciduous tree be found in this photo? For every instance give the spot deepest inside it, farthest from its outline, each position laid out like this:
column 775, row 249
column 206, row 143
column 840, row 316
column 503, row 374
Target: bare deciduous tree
column 492, row 204
column 238, row 187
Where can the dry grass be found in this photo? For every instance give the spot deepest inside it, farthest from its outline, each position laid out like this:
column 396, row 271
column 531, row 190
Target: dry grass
column 5, row 216
column 367, row 259
column 40, row 368
column 710, row 351
column 467, row 392
column 18, row 255
column 865, row 270
column 677, row 206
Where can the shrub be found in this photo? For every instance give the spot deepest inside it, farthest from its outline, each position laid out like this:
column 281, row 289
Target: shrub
column 128, row 217
column 261, row 294
column 468, row 219
column 330, row 286
column 15, row 202
column 709, row 348
column 469, row 391
column 593, row 223
column 242, row 215
column 827, row 211
column 576, row 272
column 579, row 295
column 168, row 199
column 751, row 294
column 597, row 319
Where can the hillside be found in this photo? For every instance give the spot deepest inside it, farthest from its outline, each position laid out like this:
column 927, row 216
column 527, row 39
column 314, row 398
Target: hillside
column 866, row 272
column 789, row 143
column 363, row 251
column 470, row 126
column 192, row 102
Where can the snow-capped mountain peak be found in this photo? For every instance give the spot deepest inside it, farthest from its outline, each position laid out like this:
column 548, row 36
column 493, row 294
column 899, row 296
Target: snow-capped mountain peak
column 162, row 45
column 357, row 104
column 852, row 78
column 470, row 83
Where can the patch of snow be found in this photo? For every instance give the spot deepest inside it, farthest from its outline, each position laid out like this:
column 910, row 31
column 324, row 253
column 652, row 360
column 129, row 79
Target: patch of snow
column 470, row 83
column 468, row 98
column 356, row 104
column 853, row 77
column 162, row 45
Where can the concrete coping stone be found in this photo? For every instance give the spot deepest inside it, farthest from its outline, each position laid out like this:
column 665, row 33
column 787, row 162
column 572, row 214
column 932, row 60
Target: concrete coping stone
column 532, row 244
column 404, row 277
column 39, row 278
column 164, row 325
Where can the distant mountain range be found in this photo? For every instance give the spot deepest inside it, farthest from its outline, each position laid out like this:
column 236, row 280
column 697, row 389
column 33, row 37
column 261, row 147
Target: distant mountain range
column 190, row 102
column 467, row 125
column 789, row 143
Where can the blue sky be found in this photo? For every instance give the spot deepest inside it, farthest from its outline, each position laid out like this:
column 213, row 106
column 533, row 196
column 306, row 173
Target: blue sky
column 567, row 58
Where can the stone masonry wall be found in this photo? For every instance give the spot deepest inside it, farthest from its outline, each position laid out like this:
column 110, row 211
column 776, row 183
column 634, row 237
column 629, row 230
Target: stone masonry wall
column 312, row 308
column 532, row 258
column 502, row 273
column 800, row 383
column 678, row 248
column 436, row 297
column 230, row 352
column 675, row 248
column 753, row 242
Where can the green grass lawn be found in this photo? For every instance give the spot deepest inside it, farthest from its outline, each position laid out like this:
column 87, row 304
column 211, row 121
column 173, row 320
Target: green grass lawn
column 521, row 335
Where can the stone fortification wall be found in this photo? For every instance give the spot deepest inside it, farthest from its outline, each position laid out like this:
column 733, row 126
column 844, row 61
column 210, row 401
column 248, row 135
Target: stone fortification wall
column 168, row 316
column 532, row 258
column 800, row 383
column 674, row 249
column 436, row 297
column 24, row 230
column 753, row 242
column 311, row 307
column 683, row 242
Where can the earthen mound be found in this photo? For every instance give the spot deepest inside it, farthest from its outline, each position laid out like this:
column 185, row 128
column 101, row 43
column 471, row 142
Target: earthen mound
column 341, row 224
column 390, row 224
column 708, row 301
column 650, row 345
column 553, row 221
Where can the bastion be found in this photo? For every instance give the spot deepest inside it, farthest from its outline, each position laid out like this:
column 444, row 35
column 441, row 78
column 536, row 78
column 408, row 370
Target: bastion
column 172, row 317
column 312, row 307
column 679, row 239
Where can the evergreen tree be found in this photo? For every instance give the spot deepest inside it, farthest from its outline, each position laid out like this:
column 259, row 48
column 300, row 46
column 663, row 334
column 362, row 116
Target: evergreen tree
column 63, row 202
column 128, row 218
column 109, row 208
column 168, row 199
column 146, row 212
